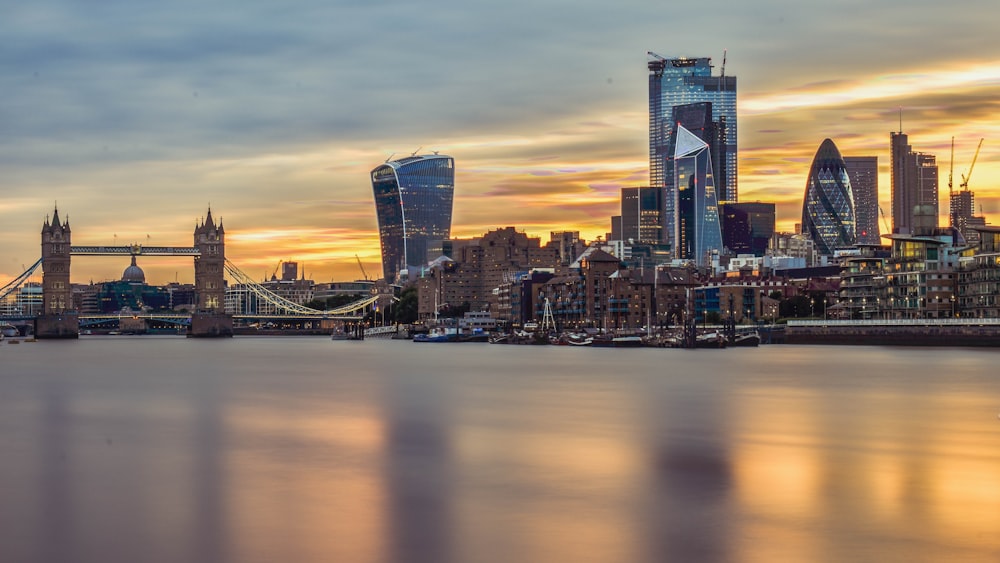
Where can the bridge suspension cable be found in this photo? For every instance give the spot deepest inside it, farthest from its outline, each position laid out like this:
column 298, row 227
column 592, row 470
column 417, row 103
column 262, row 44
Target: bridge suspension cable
column 290, row 307
column 15, row 283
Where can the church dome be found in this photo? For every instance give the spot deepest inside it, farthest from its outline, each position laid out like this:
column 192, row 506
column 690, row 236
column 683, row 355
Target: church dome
column 133, row 273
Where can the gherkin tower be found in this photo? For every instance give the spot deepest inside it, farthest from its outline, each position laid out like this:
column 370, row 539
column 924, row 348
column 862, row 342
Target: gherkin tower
column 828, row 206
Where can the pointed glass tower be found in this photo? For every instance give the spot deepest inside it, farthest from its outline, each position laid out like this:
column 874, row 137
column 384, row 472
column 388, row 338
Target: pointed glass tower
column 696, row 229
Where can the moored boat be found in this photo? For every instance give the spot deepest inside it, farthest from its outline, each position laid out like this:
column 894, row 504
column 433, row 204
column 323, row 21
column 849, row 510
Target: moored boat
column 749, row 339
column 438, row 334
column 710, row 340
column 618, row 342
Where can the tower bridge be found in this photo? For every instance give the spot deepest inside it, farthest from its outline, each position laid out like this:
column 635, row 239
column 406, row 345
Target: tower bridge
column 58, row 317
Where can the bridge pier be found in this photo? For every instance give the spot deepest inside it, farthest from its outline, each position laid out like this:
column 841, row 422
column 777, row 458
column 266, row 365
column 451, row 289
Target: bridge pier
column 57, row 326
column 211, row 325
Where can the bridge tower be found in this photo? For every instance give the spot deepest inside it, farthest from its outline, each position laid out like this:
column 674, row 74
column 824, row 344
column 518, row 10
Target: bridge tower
column 210, row 318
column 58, row 319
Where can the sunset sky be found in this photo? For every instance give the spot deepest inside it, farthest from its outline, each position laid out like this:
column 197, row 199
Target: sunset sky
column 135, row 117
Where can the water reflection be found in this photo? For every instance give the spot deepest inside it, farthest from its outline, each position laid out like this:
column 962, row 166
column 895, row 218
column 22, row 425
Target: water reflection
column 221, row 452
column 418, row 469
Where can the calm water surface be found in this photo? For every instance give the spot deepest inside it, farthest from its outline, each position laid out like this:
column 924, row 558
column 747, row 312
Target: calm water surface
column 302, row 449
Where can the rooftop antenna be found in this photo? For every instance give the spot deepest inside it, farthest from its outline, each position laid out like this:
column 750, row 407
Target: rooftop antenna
column 722, row 75
column 416, row 151
column 390, row 157
column 901, row 120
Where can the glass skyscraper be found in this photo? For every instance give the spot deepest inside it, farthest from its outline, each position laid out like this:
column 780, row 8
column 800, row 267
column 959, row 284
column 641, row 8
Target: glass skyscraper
column 413, row 201
column 828, row 205
column 697, row 231
column 642, row 215
column 747, row 227
column 679, row 81
column 863, row 172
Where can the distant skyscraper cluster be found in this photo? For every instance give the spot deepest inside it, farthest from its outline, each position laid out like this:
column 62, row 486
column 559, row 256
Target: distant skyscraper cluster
column 413, row 202
column 691, row 211
column 692, row 117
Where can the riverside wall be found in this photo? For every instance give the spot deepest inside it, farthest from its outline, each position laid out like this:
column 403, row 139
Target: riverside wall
column 948, row 332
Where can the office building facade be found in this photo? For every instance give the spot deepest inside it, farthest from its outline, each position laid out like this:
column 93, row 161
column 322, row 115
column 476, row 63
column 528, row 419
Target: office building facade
column 747, row 227
column 914, row 188
column 642, row 215
column 828, row 205
column 680, row 81
column 863, row 172
column 413, row 201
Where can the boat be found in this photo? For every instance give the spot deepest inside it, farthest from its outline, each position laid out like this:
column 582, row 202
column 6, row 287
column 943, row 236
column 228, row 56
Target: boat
column 576, row 339
column 618, row 342
column 478, row 336
column 749, row 339
column 438, row 334
column 710, row 340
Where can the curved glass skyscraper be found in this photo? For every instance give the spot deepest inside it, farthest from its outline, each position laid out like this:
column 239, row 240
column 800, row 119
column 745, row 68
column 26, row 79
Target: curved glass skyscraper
column 413, row 201
column 828, row 206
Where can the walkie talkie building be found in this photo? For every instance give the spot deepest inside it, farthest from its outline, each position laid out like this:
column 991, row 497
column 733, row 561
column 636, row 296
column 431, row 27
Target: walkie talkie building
column 413, row 201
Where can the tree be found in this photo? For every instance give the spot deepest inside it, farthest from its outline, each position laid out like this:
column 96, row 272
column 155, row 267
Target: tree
column 405, row 311
column 795, row 307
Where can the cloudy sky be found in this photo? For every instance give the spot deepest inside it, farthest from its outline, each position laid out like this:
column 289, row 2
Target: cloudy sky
column 135, row 116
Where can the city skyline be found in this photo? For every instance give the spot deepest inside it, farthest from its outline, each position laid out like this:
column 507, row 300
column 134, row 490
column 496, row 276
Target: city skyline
column 135, row 119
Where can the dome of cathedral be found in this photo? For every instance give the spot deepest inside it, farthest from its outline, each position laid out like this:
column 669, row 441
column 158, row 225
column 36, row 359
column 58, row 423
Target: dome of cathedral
column 134, row 273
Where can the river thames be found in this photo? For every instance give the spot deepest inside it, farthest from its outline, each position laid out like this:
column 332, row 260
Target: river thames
column 166, row 449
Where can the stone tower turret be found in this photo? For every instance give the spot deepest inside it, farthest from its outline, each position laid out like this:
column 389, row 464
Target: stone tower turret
column 209, row 268
column 57, row 296
column 210, row 319
column 58, row 318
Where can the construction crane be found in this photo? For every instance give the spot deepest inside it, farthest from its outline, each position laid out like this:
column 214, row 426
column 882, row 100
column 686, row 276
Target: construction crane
column 885, row 224
column 965, row 177
column 360, row 265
